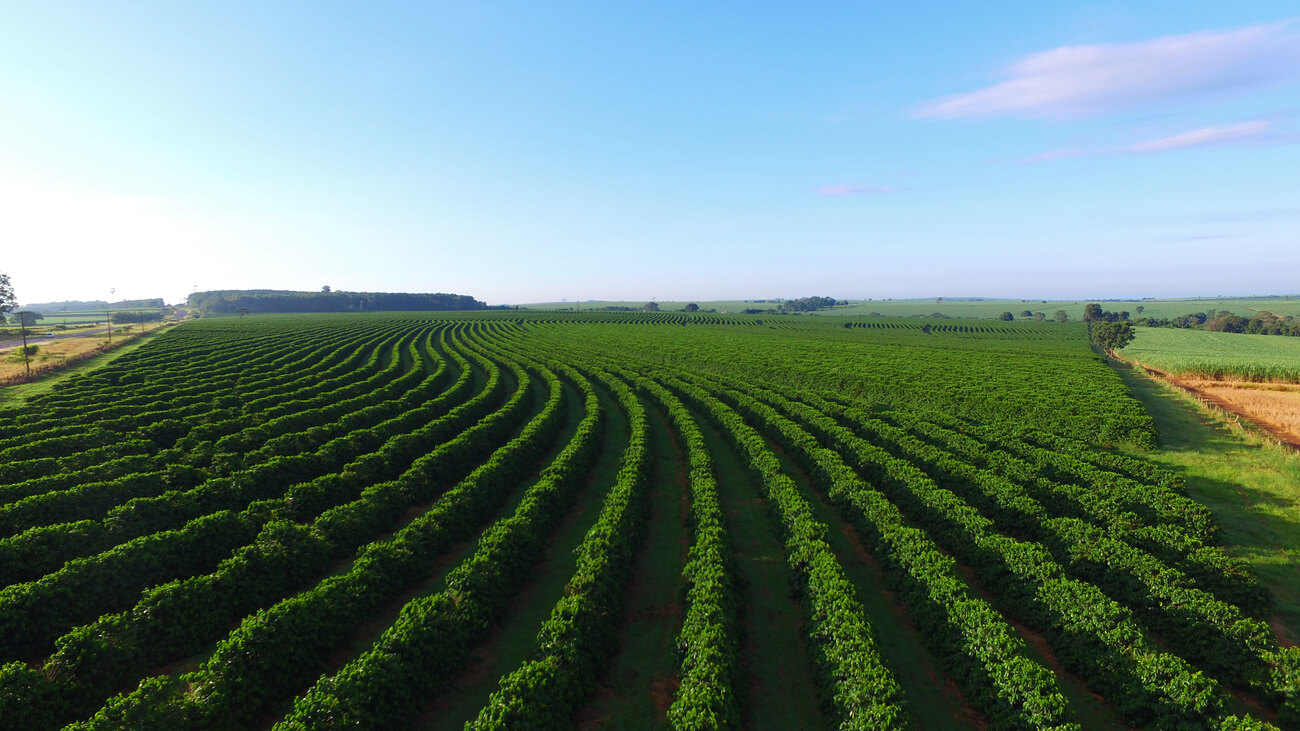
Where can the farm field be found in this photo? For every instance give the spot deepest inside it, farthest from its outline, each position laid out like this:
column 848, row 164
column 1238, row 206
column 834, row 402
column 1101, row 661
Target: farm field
column 65, row 349
column 1223, row 356
column 1252, row 486
column 984, row 308
column 1257, row 376
column 617, row 520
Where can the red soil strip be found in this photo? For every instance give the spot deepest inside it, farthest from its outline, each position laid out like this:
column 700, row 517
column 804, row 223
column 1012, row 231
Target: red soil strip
column 1278, row 431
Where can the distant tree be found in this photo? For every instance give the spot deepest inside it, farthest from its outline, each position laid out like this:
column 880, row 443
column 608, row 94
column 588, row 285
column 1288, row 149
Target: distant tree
column 651, row 307
column 1140, row 308
column 692, row 307
column 8, row 301
column 1092, row 312
column 1112, row 336
column 1026, row 313
column 1228, row 323
column 938, row 301
column 1040, row 316
column 1190, row 321
column 1266, row 323
column 127, row 316
column 1061, row 316
column 27, row 318
column 808, row 304
column 1006, row 316
column 326, row 288
column 242, row 311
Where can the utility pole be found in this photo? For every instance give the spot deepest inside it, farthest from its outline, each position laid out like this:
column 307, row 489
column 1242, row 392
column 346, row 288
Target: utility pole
column 22, row 324
column 108, row 313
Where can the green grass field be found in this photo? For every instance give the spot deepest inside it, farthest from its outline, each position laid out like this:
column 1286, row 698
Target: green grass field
column 1217, row 355
column 1252, row 487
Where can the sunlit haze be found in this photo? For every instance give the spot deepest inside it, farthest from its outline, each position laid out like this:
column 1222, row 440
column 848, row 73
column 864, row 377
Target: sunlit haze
column 524, row 152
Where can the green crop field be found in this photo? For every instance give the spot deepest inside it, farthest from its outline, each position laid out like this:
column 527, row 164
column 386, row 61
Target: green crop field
column 982, row 309
column 1217, row 355
column 620, row 520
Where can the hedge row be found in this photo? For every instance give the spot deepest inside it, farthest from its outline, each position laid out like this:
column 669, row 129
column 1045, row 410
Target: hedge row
column 708, row 646
column 1091, row 633
column 857, row 689
column 430, row 640
column 986, row 656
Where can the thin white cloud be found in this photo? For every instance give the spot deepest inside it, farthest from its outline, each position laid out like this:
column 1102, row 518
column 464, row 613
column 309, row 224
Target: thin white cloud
column 843, row 190
column 1087, row 80
column 1059, row 154
column 1257, row 132
column 1231, row 134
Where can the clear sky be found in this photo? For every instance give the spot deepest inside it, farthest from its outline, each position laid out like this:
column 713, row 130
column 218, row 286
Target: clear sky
column 533, row 151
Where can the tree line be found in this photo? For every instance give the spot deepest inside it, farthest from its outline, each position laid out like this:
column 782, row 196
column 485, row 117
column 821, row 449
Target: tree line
column 1261, row 323
column 229, row 302
column 50, row 308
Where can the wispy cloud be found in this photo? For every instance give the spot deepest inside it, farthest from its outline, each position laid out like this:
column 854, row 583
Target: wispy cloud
column 1257, row 132
column 1231, row 134
column 1059, row 154
column 1087, row 80
column 843, row 190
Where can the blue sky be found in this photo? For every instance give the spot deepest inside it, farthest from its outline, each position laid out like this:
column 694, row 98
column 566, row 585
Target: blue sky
column 523, row 152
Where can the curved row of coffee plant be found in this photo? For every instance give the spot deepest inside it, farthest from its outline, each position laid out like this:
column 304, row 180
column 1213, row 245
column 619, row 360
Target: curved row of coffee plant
column 320, row 521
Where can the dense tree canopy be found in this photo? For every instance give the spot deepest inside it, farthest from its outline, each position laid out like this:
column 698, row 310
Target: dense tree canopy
column 1261, row 323
column 51, row 308
column 130, row 317
column 808, row 304
column 8, row 301
column 1112, row 335
column 269, row 300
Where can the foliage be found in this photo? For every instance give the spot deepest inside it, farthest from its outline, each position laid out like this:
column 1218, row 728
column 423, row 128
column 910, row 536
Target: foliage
column 134, row 318
column 1112, row 336
column 1260, row 323
column 52, row 309
column 260, row 300
column 8, row 300
column 808, row 304
column 260, row 492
